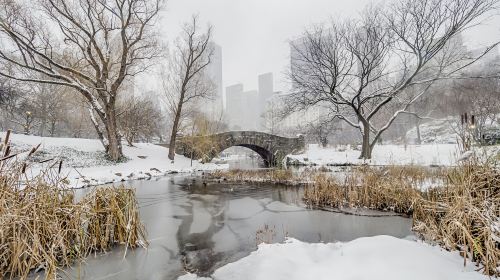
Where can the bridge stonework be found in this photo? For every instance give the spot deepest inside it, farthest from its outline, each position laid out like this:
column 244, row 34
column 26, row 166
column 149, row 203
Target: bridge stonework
column 273, row 149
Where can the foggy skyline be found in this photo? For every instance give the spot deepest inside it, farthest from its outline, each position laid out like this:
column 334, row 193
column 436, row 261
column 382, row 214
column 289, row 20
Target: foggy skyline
column 254, row 34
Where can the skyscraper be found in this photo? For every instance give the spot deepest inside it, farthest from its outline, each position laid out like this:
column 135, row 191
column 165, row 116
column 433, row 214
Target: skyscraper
column 214, row 107
column 234, row 103
column 215, row 71
column 266, row 90
column 242, row 108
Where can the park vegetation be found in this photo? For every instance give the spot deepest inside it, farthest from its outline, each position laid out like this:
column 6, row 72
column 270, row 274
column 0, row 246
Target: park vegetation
column 93, row 49
column 43, row 226
column 185, row 81
column 369, row 71
column 457, row 208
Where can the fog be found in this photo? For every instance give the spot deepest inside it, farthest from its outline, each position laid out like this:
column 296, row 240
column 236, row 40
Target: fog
column 254, row 34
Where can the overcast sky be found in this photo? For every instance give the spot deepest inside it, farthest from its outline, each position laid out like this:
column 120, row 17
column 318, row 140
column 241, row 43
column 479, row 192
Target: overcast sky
column 254, row 34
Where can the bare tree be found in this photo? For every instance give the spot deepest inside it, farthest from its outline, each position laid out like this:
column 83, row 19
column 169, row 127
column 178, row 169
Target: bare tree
column 138, row 118
column 481, row 100
column 93, row 47
column 360, row 67
column 49, row 105
column 4, row 93
column 20, row 110
column 186, row 80
column 320, row 130
column 273, row 115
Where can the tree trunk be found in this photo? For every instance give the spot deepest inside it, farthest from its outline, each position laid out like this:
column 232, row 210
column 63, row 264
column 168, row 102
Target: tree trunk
column 173, row 136
column 53, row 128
column 419, row 137
column 111, row 137
column 175, row 126
column 366, row 148
column 112, row 142
column 43, row 125
column 130, row 139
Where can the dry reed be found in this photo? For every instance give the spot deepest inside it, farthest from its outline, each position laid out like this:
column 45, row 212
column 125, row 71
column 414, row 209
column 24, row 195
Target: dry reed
column 461, row 212
column 465, row 215
column 42, row 227
column 386, row 189
column 274, row 176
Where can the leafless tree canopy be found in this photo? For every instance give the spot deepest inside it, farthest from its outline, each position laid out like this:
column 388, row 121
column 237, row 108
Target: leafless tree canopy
column 359, row 68
column 139, row 118
column 186, row 81
column 92, row 46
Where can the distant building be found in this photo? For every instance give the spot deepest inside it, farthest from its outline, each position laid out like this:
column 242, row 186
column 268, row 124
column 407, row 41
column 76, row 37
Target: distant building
column 215, row 72
column 266, row 91
column 245, row 109
column 214, row 107
column 250, row 112
column 242, row 108
column 234, row 105
column 266, row 87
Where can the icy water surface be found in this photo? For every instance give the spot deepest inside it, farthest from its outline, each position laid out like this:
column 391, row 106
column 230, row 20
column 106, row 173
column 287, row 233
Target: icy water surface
column 199, row 227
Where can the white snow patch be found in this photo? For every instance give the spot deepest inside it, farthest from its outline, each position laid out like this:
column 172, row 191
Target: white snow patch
column 436, row 131
column 371, row 258
column 425, row 155
column 145, row 160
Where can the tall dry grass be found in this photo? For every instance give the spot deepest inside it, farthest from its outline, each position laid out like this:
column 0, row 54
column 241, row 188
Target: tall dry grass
column 465, row 215
column 274, row 176
column 386, row 189
column 42, row 227
column 459, row 208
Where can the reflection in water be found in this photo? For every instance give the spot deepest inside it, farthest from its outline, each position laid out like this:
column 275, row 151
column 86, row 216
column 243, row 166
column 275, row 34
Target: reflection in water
column 252, row 161
column 199, row 227
column 240, row 158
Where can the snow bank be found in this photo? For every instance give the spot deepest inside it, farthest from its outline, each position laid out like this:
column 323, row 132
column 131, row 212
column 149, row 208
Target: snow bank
column 425, row 155
column 441, row 130
column 371, row 258
column 85, row 165
column 436, row 131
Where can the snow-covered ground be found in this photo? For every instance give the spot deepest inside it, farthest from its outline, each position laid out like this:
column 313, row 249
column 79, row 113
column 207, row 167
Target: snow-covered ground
column 425, row 155
column 435, row 132
column 84, row 162
column 440, row 131
column 370, row 258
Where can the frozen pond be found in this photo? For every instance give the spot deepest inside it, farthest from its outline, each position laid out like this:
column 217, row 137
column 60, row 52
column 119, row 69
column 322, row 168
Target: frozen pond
column 196, row 227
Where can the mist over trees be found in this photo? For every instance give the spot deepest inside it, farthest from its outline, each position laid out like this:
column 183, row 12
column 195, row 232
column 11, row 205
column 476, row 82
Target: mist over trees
column 395, row 67
column 139, row 118
column 93, row 47
column 362, row 69
column 185, row 81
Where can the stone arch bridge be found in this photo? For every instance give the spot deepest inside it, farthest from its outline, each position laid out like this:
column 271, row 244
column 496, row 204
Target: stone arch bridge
column 273, row 149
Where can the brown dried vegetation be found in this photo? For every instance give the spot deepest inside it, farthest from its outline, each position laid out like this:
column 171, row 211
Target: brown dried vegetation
column 42, row 226
column 273, row 176
column 460, row 212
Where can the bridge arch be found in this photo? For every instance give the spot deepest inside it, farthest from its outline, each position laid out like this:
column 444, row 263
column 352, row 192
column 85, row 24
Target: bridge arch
column 271, row 148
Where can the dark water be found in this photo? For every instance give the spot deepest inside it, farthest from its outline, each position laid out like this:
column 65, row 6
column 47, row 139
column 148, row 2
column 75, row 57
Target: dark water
column 198, row 228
